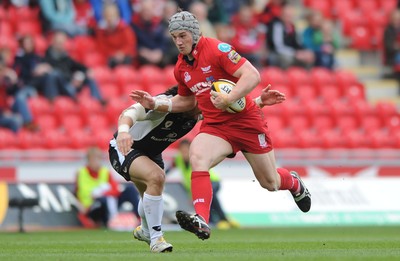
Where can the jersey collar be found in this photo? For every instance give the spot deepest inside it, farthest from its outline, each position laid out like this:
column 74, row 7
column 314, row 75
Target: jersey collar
column 198, row 48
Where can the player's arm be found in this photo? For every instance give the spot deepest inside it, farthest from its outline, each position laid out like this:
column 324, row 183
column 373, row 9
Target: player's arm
column 248, row 77
column 126, row 120
column 269, row 97
column 177, row 103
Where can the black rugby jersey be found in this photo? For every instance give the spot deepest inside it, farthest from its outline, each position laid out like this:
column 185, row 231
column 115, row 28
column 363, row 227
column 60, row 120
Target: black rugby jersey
column 159, row 130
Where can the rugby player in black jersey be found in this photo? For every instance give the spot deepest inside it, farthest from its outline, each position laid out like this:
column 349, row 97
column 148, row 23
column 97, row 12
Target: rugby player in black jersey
column 135, row 153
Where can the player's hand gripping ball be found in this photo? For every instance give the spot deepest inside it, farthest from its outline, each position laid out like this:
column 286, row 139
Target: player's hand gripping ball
column 226, row 86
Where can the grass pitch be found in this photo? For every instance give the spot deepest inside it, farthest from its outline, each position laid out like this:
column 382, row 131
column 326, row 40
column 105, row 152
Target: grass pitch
column 326, row 243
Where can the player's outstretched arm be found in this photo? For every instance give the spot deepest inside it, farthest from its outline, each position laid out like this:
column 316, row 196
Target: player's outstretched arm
column 269, row 97
column 126, row 120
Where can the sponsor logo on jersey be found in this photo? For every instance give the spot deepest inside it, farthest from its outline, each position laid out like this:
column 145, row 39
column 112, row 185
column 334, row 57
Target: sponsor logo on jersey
column 187, row 76
column 206, row 69
column 224, row 47
column 210, row 79
column 262, row 141
column 199, row 200
column 167, row 125
column 234, row 56
column 200, row 87
column 172, row 135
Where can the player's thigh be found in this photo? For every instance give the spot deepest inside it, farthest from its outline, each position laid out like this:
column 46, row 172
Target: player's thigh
column 264, row 168
column 207, row 151
column 144, row 170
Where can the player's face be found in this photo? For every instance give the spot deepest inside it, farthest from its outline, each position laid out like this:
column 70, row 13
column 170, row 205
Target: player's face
column 183, row 41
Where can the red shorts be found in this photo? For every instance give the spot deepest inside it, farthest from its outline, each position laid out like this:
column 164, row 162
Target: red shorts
column 246, row 134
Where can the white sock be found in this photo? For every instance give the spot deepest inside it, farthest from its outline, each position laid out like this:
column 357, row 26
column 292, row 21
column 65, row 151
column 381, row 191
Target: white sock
column 153, row 208
column 145, row 227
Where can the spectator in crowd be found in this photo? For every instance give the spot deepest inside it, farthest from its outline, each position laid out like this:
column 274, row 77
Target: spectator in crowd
column 114, row 37
column 84, row 14
column 34, row 75
column 149, row 31
column 320, row 38
column 123, row 7
column 225, row 33
column 99, row 193
column 249, row 36
column 284, row 48
column 271, row 11
column 182, row 163
column 171, row 53
column 72, row 76
column 216, row 13
column 60, row 15
column 391, row 41
column 17, row 114
column 200, row 10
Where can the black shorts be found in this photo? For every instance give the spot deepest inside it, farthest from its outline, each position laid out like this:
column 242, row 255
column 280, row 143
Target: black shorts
column 122, row 168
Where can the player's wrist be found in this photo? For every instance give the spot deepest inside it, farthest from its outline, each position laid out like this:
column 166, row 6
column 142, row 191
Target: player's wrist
column 162, row 104
column 123, row 128
column 259, row 102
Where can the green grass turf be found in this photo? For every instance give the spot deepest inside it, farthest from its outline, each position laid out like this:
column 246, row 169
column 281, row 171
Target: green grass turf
column 325, row 243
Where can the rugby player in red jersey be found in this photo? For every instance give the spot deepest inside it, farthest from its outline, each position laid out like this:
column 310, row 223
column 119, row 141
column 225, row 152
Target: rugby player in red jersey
column 202, row 61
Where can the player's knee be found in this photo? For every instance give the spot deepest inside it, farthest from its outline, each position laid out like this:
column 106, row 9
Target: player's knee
column 156, row 179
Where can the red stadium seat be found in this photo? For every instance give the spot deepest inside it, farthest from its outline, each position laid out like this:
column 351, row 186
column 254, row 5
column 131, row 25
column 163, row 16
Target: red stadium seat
column 81, row 139
column 345, row 78
column 371, row 123
column 103, row 75
column 355, row 93
column 342, row 108
column 322, row 123
column 324, row 7
column 273, row 75
column 387, row 5
column 346, row 123
column 65, row 106
column 334, row 139
column 297, row 76
column 285, row 138
column 24, row 27
column 8, row 139
column 275, row 123
column 155, row 88
column 40, row 44
column 169, row 76
column 98, row 122
column 361, row 38
column 109, row 91
column 56, row 139
column 385, row 109
column 367, row 7
column 330, row 93
column 317, row 107
column 40, row 106
column 7, row 29
column 350, row 20
column 71, row 123
column 341, row 7
column 30, row 140
column 305, row 93
column 358, row 139
column 392, row 123
column 102, row 138
column 89, row 106
column 287, row 90
column 294, row 108
column 298, row 122
column 310, row 139
column 46, row 122
column 363, row 109
column 93, row 59
column 149, row 75
column 320, row 77
column 125, row 75
column 382, row 139
column 82, row 44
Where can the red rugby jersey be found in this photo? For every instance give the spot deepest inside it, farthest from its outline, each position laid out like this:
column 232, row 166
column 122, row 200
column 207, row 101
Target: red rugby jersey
column 214, row 60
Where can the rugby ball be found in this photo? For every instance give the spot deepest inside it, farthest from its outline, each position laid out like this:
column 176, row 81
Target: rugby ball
column 226, row 86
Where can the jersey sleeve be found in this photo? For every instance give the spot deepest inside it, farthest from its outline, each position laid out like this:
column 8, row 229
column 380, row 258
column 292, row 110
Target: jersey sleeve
column 229, row 59
column 183, row 90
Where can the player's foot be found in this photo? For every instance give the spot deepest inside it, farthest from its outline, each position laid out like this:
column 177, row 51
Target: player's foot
column 140, row 235
column 161, row 246
column 194, row 224
column 303, row 198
